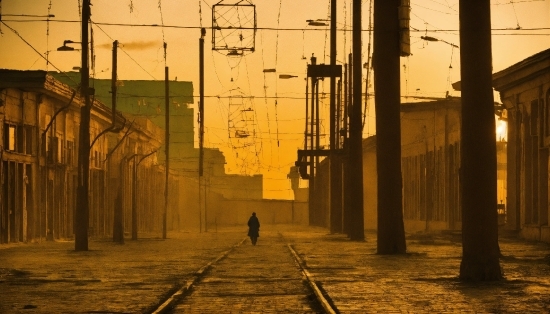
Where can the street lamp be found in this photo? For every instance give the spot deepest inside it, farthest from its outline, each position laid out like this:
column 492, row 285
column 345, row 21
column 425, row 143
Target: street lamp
column 83, row 169
column 317, row 22
column 286, row 76
column 67, row 48
column 430, row 38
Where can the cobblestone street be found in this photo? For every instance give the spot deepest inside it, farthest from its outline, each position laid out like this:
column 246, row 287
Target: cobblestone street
column 262, row 278
column 50, row 277
column 426, row 279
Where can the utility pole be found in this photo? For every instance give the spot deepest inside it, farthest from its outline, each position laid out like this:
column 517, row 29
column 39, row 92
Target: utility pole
column 312, row 202
column 357, row 231
column 201, row 121
column 134, row 199
column 478, row 172
column 82, row 202
column 201, row 101
column 167, row 148
column 347, row 166
column 387, row 91
column 118, row 225
column 334, row 161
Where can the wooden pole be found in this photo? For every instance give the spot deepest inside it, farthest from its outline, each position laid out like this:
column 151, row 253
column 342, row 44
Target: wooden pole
column 82, row 203
column 357, row 232
column 167, row 150
column 334, row 164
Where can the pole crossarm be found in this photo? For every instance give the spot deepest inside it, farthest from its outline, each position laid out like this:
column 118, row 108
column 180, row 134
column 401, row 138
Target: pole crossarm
column 324, row 70
column 302, row 162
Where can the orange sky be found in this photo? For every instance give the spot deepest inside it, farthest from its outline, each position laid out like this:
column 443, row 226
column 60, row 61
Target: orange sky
column 282, row 40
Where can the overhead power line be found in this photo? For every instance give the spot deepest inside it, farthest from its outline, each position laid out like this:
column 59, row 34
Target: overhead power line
column 517, row 31
column 32, row 47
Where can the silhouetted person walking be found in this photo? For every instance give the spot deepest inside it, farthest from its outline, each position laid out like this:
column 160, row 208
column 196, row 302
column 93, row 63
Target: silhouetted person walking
column 253, row 228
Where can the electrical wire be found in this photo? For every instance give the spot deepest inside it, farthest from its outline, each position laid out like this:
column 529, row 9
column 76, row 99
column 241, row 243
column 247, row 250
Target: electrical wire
column 435, row 30
column 48, row 36
column 35, row 50
column 124, row 51
column 276, row 82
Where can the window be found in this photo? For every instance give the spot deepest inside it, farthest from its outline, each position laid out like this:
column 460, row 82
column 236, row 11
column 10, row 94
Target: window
column 9, row 137
column 20, row 139
column 534, row 129
column 29, row 139
column 70, row 153
column 53, row 153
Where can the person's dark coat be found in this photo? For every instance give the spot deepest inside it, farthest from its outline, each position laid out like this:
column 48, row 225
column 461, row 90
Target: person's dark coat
column 253, row 226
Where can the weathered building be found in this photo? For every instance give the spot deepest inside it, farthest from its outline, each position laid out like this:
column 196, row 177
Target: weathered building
column 430, row 145
column 525, row 93
column 40, row 121
column 146, row 99
column 430, row 163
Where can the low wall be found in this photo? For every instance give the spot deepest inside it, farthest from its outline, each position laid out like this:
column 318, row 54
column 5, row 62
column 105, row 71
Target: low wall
column 237, row 212
column 531, row 232
column 545, row 234
column 413, row 226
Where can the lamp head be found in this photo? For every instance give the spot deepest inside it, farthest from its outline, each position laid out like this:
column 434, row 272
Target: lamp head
column 65, row 48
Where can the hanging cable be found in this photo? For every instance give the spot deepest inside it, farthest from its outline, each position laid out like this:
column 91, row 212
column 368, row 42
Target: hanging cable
column 47, row 33
column 161, row 20
column 265, row 100
column 368, row 67
column 449, row 78
column 200, row 13
column 276, row 59
column 40, row 54
column 256, row 125
column 121, row 48
column 165, row 45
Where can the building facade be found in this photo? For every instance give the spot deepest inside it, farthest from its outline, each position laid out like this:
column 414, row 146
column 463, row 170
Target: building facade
column 430, row 164
column 525, row 93
column 39, row 130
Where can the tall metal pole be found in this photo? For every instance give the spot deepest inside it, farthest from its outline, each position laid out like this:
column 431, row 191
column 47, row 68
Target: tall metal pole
column 312, row 211
column 82, row 205
column 310, row 207
column 114, row 80
column 201, row 120
column 167, row 150
column 347, row 167
column 118, row 226
column 134, row 200
column 334, row 177
column 201, row 101
column 357, row 232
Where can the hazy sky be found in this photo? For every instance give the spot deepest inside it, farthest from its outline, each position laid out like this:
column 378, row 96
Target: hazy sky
column 283, row 41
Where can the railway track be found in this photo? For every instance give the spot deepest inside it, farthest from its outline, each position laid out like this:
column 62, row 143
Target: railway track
column 268, row 278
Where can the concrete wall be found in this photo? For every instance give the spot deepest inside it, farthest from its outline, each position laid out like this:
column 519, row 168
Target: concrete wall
column 225, row 212
column 370, row 184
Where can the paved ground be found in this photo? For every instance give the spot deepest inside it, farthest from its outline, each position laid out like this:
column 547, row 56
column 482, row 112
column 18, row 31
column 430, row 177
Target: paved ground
column 263, row 278
column 425, row 280
column 50, row 277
